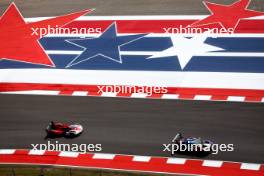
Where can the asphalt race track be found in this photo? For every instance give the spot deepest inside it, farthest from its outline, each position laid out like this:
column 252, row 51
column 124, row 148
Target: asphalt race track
column 135, row 126
column 33, row 8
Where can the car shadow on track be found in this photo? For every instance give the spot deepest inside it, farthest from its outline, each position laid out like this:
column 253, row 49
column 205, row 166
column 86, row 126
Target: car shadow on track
column 192, row 154
column 50, row 136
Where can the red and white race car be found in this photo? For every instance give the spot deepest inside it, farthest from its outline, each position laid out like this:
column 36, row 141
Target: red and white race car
column 60, row 129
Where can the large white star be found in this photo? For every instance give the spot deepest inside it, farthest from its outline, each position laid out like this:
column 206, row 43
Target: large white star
column 186, row 48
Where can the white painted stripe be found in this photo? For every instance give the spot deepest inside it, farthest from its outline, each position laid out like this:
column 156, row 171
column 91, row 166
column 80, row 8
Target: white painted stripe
column 134, row 17
column 34, row 92
column 257, row 18
column 63, row 52
column 141, row 158
column 70, row 35
column 152, row 17
column 139, row 95
column 69, row 154
column 109, row 94
column 7, row 151
column 170, row 96
column 249, row 166
column 36, row 152
column 176, row 161
column 262, row 99
column 156, row 35
column 235, row 98
column 138, row 53
column 103, row 156
column 150, row 53
column 143, row 17
column 231, row 54
column 212, row 163
column 202, row 97
column 137, row 17
column 138, row 78
column 44, row 92
column 80, row 93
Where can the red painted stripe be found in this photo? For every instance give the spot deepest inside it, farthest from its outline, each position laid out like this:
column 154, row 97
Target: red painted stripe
column 157, row 26
column 95, row 93
column 155, row 95
column 186, row 93
column 219, row 97
column 216, row 91
column 124, row 94
column 186, row 96
column 253, row 99
column 51, row 153
column 21, row 152
column 66, row 92
column 123, row 162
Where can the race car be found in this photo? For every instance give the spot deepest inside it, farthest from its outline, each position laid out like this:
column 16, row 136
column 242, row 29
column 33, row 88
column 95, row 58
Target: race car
column 194, row 144
column 60, row 129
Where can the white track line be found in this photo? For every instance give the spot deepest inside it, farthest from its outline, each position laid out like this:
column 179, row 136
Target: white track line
column 250, row 166
column 104, row 156
column 236, row 98
column 34, row 92
column 37, row 152
column 7, row 151
column 80, row 93
column 69, row 154
column 141, row 158
column 202, row 97
column 176, row 161
column 136, row 17
column 109, row 94
column 212, row 163
column 170, row 96
column 150, row 53
column 139, row 95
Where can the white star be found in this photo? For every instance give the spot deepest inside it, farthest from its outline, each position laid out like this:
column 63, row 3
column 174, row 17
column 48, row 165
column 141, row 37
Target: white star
column 186, row 48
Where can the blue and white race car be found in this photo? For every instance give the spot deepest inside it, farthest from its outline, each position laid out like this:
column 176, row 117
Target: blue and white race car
column 193, row 144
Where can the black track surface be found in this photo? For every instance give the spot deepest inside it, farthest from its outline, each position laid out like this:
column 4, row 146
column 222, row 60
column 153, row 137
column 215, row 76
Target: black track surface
column 33, row 8
column 135, row 126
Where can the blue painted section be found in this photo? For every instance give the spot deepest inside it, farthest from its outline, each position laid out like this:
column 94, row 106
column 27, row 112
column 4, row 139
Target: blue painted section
column 234, row 44
column 201, row 64
column 109, row 44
